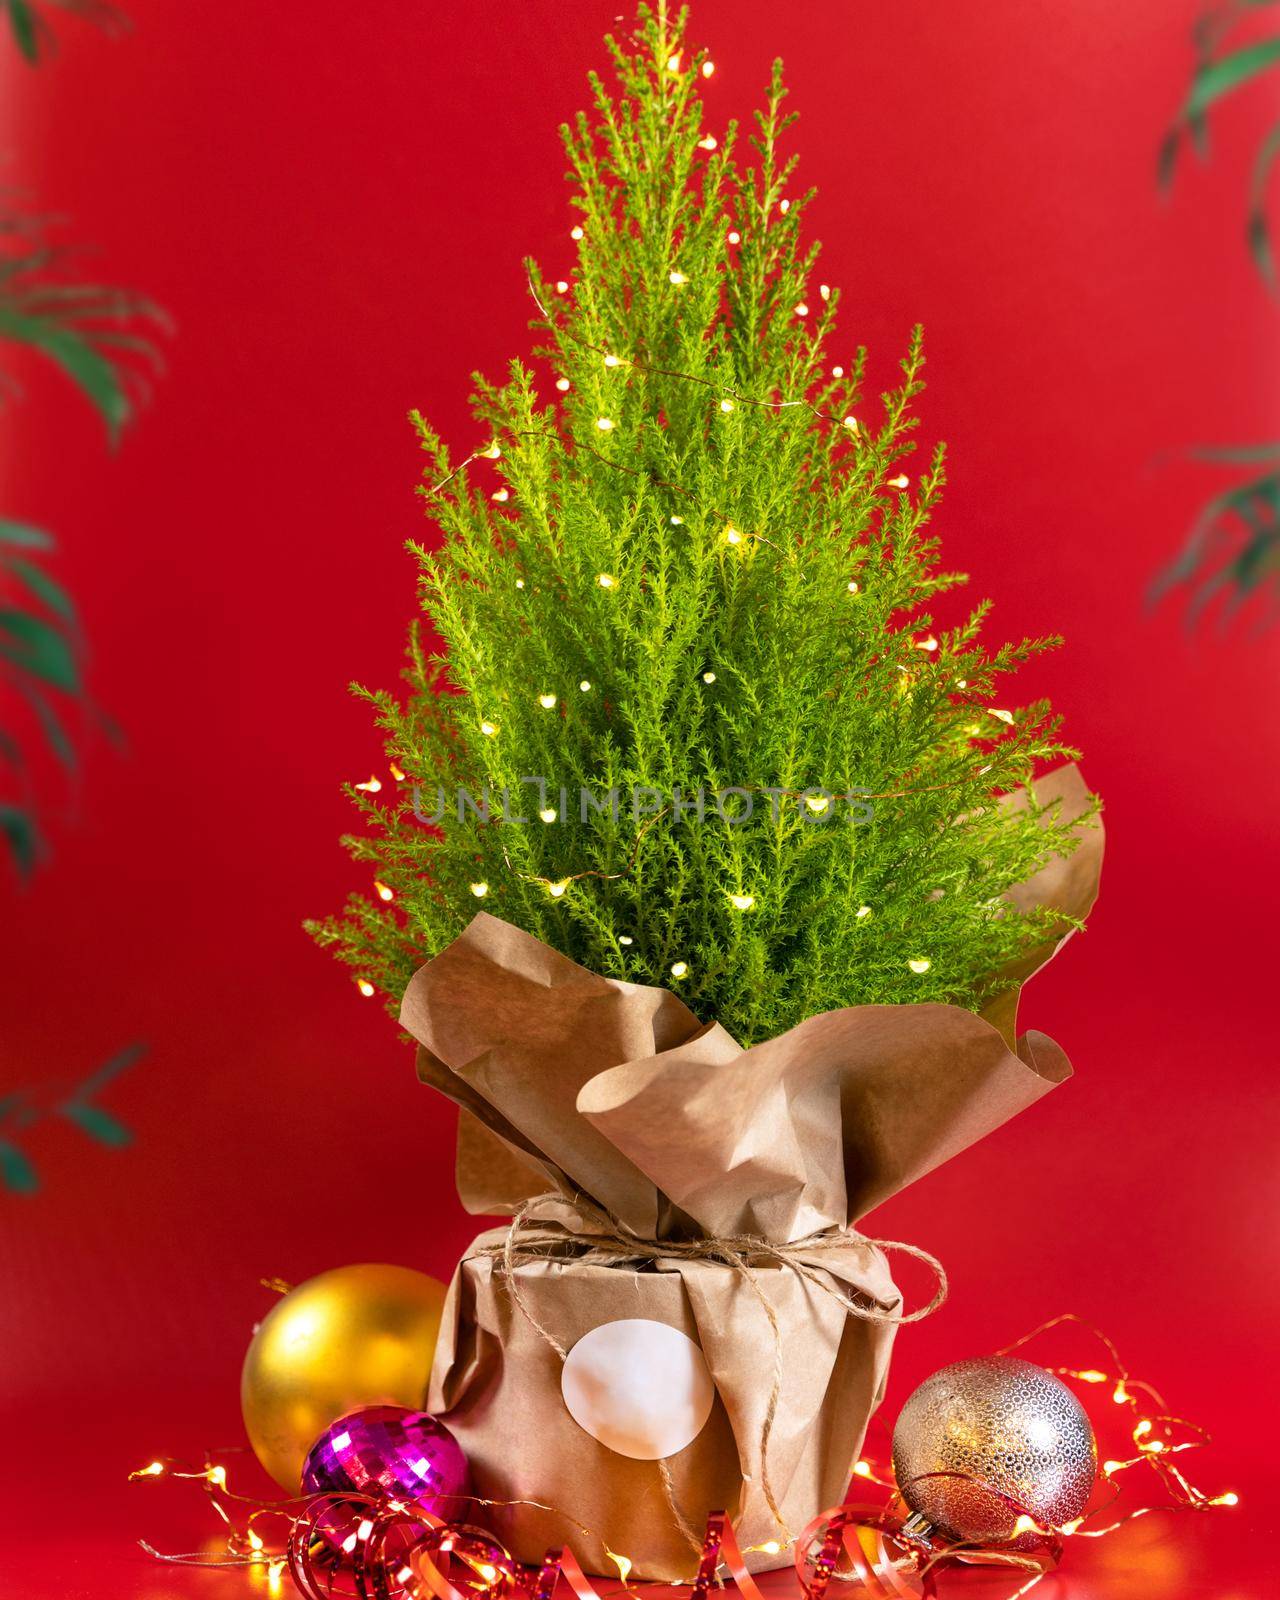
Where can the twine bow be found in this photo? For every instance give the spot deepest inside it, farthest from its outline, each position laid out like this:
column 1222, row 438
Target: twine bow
column 607, row 1241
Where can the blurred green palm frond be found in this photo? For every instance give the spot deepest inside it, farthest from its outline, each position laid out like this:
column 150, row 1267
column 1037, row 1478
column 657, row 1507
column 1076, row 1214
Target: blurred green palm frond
column 1234, row 545
column 1222, row 70
column 32, row 33
column 1233, row 548
column 105, row 341
column 40, row 664
column 25, row 1112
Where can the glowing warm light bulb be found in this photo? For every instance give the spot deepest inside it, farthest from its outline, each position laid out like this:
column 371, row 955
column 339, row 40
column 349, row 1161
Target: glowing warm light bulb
column 802, row 310
column 487, row 1570
column 501, row 494
column 488, row 729
column 519, row 583
column 479, row 890
column 817, row 803
column 677, row 522
column 900, row 482
column 679, row 969
column 1025, row 1524
column 770, row 1547
column 275, row 1578
column 963, row 683
column 1109, row 1467
column 1143, row 1428
column 862, row 1469
column 154, row 1470
column 734, row 236
column 373, row 786
column 493, row 452
column 732, row 535
column 726, row 406
column 562, row 285
column 784, row 206
column 217, row 1476
column 708, row 677
column 824, row 289
column 255, row 1540
column 1000, row 716
column 547, row 814
column 1119, row 1394
column 920, row 964
column 365, row 987
column 563, row 385
column 1231, row 1498
column 862, row 913
column 677, row 278
column 625, row 938
column 605, row 424
column 1073, row 1526
column 623, row 1563
column 837, row 372
column 546, row 701
column 929, row 643
column 585, row 685
column 612, row 361
column 606, row 580
column 397, row 773
column 1091, row 1376
column 557, row 889
column 673, row 65
column 742, row 902
column 384, row 891
column 707, row 143
column 575, row 233
column 708, row 67
column 852, row 586
column 851, row 423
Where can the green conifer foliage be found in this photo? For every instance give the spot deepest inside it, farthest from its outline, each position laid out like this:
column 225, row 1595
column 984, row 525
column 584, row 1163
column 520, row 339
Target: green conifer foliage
column 685, row 555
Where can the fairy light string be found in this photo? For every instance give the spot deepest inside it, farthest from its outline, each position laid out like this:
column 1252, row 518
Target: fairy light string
column 731, row 535
column 390, row 1550
column 729, row 399
column 559, row 335
column 735, row 396
column 1157, row 1434
column 556, row 887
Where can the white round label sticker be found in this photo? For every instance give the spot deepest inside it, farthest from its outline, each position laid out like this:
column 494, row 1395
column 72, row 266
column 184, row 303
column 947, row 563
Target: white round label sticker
column 640, row 1387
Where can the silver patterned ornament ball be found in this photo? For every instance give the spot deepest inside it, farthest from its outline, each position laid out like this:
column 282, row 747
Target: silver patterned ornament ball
column 999, row 1424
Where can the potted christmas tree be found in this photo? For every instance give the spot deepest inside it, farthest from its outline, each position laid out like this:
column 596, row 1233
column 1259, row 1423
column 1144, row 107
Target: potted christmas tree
column 725, row 857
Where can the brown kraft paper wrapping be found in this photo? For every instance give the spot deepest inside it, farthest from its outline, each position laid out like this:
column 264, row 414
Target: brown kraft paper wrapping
column 584, row 1094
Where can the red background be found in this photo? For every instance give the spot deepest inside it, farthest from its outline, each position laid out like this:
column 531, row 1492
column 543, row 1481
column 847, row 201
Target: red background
column 333, row 203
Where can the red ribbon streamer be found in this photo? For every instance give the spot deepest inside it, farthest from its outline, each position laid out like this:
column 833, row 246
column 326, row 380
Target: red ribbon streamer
column 393, row 1552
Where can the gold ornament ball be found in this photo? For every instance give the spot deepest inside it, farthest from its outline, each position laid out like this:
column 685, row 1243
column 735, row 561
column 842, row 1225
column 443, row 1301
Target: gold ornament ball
column 356, row 1336
column 994, row 1424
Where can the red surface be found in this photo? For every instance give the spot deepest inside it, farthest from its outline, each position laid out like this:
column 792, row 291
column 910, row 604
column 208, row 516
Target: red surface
column 334, row 205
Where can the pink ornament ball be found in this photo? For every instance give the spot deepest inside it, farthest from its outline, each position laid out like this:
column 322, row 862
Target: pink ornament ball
column 388, row 1451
